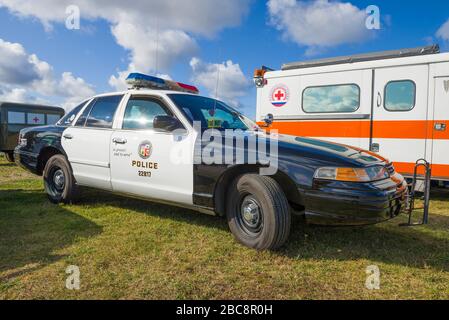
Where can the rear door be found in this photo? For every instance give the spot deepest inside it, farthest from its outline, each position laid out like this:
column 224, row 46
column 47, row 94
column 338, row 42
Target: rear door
column 399, row 127
column 440, row 130
column 87, row 142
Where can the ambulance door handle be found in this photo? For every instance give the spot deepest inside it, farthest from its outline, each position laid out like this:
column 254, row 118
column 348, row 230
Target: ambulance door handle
column 440, row 127
column 119, row 141
column 68, row 136
column 379, row 99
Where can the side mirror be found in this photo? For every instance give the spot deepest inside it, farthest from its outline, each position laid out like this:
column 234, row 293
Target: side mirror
column 269, row 118
column 167, row 123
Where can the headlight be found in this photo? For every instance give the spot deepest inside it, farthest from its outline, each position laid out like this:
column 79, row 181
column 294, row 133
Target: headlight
column 352, row 174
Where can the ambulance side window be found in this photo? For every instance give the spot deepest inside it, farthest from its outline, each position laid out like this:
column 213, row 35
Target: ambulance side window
column 331, row 99
column 16, row 117
column 400, row 95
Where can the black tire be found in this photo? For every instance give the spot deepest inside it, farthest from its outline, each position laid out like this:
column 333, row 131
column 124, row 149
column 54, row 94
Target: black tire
column 9, row 156
column 258, row 212
column 59, row 182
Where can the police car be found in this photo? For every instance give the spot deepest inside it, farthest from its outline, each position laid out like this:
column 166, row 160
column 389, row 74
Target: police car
column 148, row 142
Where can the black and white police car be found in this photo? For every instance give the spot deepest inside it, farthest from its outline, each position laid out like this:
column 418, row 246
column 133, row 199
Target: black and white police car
column 146, row 142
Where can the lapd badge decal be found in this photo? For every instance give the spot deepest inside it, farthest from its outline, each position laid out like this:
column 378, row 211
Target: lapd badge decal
column 145, row 150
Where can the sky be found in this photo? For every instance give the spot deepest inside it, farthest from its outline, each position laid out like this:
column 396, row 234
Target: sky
column 213, row 44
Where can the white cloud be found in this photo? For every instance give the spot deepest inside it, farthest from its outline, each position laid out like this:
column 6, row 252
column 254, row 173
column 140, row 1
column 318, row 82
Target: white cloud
column 318, row 24
column 150, row 51
column 443, row 31
column 14, row 95
column 151, row 30
column 26, row 78
column 232, row 83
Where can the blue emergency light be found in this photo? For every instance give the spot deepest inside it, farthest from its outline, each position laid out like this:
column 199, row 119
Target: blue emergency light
column 139, row 80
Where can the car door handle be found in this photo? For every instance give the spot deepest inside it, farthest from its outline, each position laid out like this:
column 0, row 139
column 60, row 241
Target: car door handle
column 68, row 136
column 119, row 141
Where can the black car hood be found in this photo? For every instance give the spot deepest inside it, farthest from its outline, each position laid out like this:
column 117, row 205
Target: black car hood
column 302, row 147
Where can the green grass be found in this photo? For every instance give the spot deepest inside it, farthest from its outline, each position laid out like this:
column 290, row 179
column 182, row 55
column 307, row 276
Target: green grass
column 130, row 249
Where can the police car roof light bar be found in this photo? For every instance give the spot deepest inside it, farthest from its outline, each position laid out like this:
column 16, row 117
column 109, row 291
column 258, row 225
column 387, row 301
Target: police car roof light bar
column 139, row 80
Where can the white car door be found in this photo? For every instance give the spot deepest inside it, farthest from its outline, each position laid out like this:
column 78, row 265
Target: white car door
column 87, row 143
column 149, row 163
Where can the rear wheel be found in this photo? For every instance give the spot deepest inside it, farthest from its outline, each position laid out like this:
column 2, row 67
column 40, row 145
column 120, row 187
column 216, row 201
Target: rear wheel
column 59, row 181
column 9, row 156
column 258, row 212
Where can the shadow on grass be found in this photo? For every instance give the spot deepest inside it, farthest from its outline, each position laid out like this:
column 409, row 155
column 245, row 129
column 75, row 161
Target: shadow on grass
column 7, row 164
column 388, row 243
column 32, row 229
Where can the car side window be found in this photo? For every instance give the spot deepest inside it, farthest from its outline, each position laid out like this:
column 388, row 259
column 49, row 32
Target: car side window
column 70, row 117
column 102, row 113
column 82, row 118
column 141, row 111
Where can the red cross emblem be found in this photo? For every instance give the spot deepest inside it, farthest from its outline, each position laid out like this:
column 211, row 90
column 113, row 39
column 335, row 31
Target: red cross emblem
column 279, row 96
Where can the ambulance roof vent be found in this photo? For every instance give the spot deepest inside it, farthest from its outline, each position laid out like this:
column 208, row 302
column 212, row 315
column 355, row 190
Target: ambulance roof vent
column 364, row 57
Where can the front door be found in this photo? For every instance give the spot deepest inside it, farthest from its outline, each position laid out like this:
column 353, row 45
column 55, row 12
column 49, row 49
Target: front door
column 148, row 163
column 399, row 127
column 440, row 130
column 87, row 143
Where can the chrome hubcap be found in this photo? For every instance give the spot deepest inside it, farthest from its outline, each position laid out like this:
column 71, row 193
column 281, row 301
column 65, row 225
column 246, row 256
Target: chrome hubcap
column 59, row 179
column 250, row 212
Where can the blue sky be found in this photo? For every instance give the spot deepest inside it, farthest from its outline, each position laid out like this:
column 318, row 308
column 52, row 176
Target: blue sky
column 250, row 34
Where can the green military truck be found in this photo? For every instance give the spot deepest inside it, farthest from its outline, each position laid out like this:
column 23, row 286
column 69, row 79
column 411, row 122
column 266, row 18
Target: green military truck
column 16, row 116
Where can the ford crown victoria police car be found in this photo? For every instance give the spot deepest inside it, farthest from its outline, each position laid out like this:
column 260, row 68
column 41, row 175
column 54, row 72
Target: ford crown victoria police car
column 123, row 142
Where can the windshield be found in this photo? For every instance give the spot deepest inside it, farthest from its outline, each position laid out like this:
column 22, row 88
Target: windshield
column 211, row 113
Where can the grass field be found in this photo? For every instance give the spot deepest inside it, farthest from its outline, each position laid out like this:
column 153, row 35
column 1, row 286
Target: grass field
column 130, row 249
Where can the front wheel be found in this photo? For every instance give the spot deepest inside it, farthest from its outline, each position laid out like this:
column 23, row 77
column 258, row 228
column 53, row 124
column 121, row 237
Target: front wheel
column 59, row 181
column 258, row 212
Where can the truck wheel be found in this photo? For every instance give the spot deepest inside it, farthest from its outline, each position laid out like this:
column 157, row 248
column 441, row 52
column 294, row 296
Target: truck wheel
column 9, row 156
column 258, row 212
column 59, row 181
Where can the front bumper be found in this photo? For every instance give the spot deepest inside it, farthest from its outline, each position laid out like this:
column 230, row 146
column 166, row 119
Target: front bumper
column 337, row 203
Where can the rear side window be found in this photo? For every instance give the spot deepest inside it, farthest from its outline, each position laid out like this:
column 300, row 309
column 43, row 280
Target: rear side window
column 70, row 117
column 36, row 119
column 16, row 117
column 331, row 99
column 102, row 113
column 400, row 95
column 140, row 113
column 82, row 118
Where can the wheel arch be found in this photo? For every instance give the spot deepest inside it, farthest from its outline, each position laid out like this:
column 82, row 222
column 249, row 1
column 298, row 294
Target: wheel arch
column 287, row 185
column 44, row 155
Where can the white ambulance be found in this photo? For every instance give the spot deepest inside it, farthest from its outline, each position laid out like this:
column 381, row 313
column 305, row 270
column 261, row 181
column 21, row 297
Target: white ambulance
column 395, row 103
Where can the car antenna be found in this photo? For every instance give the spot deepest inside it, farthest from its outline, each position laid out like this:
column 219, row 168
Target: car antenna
column 157, row 45
column 218, row 80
